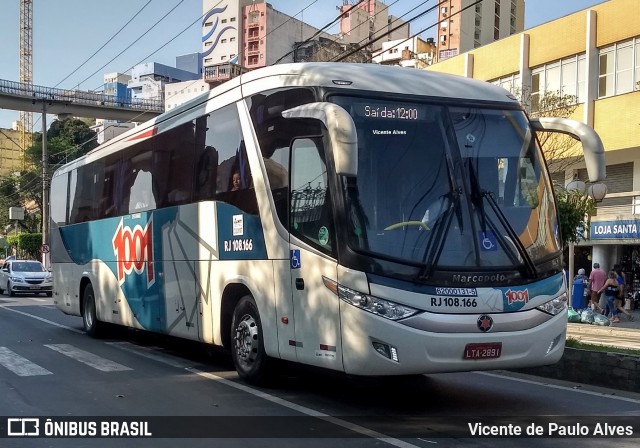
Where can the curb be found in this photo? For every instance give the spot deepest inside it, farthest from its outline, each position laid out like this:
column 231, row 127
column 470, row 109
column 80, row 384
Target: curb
column 604, row 369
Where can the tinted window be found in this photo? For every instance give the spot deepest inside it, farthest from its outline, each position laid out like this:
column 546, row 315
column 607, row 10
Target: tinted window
column 224, row 146
column 275, row 135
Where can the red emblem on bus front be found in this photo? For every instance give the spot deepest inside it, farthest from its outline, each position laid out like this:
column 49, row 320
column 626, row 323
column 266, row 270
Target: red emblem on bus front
column 133, row 249
column 517, row 296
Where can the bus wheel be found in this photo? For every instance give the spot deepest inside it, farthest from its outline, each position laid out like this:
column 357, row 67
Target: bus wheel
column 247, row 348
column 92, row 325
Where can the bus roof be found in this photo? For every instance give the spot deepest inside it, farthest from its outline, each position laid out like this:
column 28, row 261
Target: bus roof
column 375, row 77
column 339, row 75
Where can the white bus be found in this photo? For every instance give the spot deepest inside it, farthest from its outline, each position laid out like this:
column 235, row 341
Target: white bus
column 367, row 219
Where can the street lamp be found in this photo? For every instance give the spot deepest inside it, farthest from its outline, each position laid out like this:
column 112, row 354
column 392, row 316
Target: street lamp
column 597, row 192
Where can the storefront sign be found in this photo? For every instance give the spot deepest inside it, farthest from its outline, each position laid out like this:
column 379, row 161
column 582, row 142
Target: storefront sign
column 627, row 228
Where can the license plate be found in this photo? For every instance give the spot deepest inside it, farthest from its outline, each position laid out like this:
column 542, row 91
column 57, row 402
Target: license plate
column 487, row 350
column 34, row 287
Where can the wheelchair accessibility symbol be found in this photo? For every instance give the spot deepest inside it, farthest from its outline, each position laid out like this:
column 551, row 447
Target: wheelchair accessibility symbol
column 294, row 256
column 488, row 241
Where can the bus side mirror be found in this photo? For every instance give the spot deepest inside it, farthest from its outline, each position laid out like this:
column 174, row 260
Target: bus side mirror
column 591, row 143
column 341, row 129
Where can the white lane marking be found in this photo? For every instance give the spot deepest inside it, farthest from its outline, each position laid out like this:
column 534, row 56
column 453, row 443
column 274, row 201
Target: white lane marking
column 88, row 358
column 305, row 410
column 37, row 300
column 427, row 441
column 151, row 353
column 555, row 386
column 177, row 362
column 19, row 365
column 50, row 322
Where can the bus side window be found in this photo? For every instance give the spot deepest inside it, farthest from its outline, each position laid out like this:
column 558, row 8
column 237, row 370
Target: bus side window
column 225, row 135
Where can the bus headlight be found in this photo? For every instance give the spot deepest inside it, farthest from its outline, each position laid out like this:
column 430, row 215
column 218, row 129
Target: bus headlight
column 380, row 307
column 555, row 306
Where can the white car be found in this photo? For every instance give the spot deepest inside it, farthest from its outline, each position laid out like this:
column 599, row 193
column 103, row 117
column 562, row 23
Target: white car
column 25, row 276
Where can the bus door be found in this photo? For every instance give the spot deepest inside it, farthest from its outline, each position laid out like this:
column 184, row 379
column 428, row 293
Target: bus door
column 312, row 249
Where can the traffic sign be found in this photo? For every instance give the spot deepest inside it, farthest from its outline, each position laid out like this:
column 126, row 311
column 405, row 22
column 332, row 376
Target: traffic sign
column 44, row 248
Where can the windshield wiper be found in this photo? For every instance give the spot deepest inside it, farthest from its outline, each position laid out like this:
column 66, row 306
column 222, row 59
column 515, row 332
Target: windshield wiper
column 515, row 239
column 436, row 242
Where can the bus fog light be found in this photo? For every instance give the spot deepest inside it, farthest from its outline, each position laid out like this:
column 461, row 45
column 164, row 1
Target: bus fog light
column 386, row 350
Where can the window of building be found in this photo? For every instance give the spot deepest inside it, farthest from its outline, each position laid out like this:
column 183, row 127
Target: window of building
column 223, row 57
column 208, row 24
column 563, row 77
column 232, row 19
column 509, row 82
column 233, row 39
column 208, row 44
column 224, row 20
column 207, row 60
column 223, row 41
column 619, row 70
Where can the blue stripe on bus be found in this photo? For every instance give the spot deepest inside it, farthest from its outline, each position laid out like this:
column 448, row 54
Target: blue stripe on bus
column 513, row 297
column 145, row 290
column 240, row 235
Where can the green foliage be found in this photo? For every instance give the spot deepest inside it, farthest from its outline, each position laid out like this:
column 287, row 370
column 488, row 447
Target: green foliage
column 574, row 210
column 66, row 141
column 27, row 245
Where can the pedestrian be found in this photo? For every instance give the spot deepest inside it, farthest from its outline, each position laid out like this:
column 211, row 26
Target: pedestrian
column 612, row 289
column 597, row 279
column 580, row 276
column 619, row 300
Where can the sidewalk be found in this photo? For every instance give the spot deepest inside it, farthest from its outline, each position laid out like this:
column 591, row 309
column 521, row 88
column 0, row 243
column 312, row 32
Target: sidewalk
column 625, row 334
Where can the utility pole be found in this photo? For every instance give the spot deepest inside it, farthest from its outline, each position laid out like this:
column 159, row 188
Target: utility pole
column 45, row 187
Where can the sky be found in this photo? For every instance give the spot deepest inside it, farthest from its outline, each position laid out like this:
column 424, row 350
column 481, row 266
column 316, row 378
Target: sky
column 66, row 33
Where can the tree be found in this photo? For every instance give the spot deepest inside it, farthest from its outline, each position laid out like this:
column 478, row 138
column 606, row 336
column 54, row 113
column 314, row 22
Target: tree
column 574, row 211
column 66, row 140
column 560, row 151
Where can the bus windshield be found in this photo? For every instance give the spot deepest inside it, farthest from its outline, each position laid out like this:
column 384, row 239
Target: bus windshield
column 449, row 187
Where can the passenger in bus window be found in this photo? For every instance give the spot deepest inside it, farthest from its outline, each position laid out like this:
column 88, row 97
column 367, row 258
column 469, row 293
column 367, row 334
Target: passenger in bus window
column 235, row 181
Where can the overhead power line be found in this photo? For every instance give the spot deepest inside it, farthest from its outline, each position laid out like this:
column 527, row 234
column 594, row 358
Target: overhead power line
column 105, row 44
column 328, row 25
column 436, row 23
column 134, row 42
column 373, row 17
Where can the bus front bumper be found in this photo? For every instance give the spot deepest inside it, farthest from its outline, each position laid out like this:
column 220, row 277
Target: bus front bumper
column 370, row 344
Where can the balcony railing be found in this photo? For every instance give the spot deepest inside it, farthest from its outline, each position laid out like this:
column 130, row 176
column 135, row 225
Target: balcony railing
column 615, row 204
column 222, row 72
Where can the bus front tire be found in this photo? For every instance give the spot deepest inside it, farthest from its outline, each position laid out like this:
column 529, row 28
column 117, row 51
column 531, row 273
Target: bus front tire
column 247, row 344
column 92, row 325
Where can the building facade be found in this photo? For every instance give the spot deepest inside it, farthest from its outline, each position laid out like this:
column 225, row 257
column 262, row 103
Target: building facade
column 11, row 154
column 362, row 21
column 240, row 35
column 490, row 20
column 413, row 53
column 597, row 61
column 178, row 93
column 148, row 80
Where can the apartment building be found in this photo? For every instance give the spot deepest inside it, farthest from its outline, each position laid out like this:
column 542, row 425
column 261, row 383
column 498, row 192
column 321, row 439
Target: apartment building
column 463, row 26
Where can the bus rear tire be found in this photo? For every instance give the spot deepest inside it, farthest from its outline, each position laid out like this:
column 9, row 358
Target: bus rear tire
column 247, row 344
column 92, row 325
